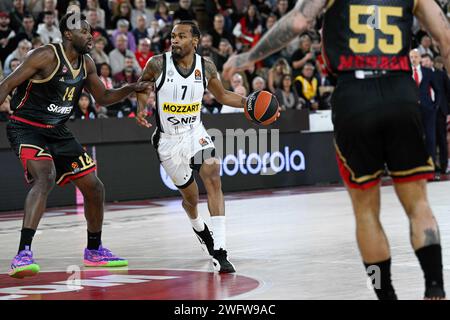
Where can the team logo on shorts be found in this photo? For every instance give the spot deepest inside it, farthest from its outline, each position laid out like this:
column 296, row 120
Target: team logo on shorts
column 198, row 75
column 203, row 142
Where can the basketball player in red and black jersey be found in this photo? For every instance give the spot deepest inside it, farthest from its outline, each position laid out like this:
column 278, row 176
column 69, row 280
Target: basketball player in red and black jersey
column 376, row 117
column 48, row 84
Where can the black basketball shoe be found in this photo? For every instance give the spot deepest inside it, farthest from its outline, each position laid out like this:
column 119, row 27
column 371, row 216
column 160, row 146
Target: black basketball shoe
column 221, row 262
column 206, row 240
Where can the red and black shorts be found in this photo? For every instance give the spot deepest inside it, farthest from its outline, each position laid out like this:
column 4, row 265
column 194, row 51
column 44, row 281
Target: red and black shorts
column 55, row 144
column 378, row 128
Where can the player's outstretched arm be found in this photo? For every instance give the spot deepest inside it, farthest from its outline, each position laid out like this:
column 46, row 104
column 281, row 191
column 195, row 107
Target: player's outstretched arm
column 436, row 23
column 216, row 88
column 105, row 96
column 151, row 72
column 35, row 62
column 279, row 36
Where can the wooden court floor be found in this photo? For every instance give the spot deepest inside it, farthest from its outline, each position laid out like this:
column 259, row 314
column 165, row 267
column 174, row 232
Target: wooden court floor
column 286, row 244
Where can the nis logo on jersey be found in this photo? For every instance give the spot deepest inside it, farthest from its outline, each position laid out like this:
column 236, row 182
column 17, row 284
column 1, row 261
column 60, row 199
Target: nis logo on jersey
column 61, row 110
column 175, row 108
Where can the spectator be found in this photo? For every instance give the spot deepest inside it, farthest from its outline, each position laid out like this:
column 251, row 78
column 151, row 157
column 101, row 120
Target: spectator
column 6, row 34
column 98, row 54
column 282, row 8
column 307, row 87
column 48, row 30
column 425, row 80
column 209, row 104
column 443, row 112
column 14, row 63
column 286, row 95
column 236, row 81
column 27, row 30
column 276, row 74
column 19, row 54
column 36, row 42
column 226, row 8
column 117, row 56
column 141, row 10
column 123, row 28
column 93, row 5
column 127, row 75
column 49, row 6
column 141, row 30
column 271, row 60
column 85, row 108
column 225, row 51
column 162, row 14
column 97, row 30
column 249, row 28
column 17, row 14
column 218, row 32
column 425, row 46
column 263, row 7
column 105, row 75
column 206, row 49
column 302, row 55
column 184, row 11
column 156, row 37
column 121, row 11
column 143, row 54
column 227, row 109
column 258, row 84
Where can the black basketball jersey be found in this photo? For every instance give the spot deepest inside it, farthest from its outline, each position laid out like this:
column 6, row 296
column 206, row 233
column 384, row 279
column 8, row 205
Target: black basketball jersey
column 51, row 101
column 368, row 34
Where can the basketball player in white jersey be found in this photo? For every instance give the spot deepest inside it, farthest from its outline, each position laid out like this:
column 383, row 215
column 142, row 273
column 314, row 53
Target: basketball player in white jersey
column 182, row 143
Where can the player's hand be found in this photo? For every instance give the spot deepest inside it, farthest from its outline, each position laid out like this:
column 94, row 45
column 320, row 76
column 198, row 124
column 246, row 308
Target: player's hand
column 140, row 119
column 5, row 106
column 235, row 64
column 142, row 86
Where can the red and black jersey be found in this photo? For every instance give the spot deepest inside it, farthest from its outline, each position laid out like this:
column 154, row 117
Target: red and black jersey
column 50, row 101
column 368, row 34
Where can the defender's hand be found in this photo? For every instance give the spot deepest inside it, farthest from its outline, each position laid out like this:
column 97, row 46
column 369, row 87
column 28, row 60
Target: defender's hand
column 140, row 119
column 235, row 64
column 142, row 86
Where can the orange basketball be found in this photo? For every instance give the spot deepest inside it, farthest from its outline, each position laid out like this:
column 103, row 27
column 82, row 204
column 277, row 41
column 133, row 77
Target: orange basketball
column 261, row 107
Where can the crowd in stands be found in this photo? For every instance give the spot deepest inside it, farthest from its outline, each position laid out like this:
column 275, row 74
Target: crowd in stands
column 128, row 33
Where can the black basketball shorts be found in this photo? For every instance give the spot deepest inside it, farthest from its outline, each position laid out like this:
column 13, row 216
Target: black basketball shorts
column 378, row 128
column 55, row 144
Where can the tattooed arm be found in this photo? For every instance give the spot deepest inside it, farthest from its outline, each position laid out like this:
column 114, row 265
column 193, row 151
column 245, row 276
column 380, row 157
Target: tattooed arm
column 216, row 88
column 151, row 72
column 436, row 23
column 279, row 36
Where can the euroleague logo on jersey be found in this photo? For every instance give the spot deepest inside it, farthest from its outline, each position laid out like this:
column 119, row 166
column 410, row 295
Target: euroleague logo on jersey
column 126, row 285
column 198, row 74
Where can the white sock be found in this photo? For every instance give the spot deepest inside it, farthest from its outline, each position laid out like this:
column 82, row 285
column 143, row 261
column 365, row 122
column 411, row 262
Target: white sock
column 198, row 224
column 218, row 230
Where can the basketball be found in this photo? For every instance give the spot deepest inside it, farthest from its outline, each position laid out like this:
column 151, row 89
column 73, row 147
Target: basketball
column 261, row 107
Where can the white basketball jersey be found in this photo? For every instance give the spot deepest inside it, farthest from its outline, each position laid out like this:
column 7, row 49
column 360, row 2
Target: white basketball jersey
column 178, row 97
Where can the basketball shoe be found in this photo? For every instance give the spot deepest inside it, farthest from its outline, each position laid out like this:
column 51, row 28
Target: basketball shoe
column 23, row 265
column 206, row 240
column 102, row 258
column 221, row 262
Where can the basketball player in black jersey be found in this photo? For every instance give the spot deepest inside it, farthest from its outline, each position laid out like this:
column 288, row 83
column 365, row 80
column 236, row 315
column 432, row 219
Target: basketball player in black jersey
column 48, row 84
column 376, row 117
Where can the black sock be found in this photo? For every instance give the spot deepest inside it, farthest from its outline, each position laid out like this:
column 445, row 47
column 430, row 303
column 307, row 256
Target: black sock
column 381, row 279
column 26, row 238
column 94, row 240
column 430, row 258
